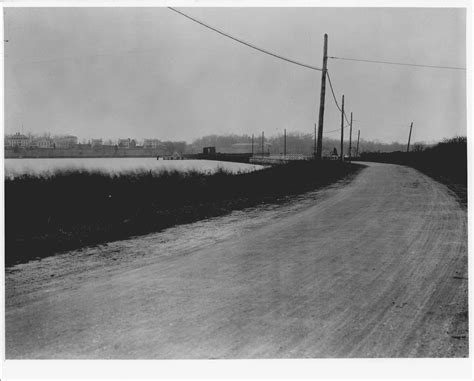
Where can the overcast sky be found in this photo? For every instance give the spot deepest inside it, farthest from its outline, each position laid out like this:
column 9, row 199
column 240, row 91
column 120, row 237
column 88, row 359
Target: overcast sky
column 149, row 72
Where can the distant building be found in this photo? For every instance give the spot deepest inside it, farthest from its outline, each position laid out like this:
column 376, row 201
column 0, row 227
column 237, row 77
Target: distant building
column 44, row 142
column 17, row 140
column 108, row 142
column 96, row 143
column 67, row 141
column 151, row 143
column 124, row 143
column 127, row 143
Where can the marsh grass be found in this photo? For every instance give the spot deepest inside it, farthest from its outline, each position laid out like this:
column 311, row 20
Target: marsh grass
column 45, row 215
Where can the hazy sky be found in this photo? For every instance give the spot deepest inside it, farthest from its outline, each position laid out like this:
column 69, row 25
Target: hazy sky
column 149, row 72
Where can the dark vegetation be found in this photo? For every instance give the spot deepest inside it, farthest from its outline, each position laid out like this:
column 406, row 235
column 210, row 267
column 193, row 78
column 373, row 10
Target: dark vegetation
column 46, row 215
column 445, row 162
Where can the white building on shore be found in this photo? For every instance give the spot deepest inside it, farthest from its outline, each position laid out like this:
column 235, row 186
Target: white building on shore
column 17, row 140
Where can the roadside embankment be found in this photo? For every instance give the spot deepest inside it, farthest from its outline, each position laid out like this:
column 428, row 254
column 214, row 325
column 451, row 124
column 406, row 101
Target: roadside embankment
column 71, row 209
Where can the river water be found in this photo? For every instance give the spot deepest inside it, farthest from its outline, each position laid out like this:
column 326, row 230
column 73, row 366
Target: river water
column 18, row 167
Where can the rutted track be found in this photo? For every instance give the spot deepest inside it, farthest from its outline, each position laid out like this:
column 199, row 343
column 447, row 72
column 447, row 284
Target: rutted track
column 374, row 268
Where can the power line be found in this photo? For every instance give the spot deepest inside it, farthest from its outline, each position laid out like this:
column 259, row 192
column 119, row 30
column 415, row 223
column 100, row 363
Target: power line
column 345, row 117
column 334, row 96
column 365, row 123
column 246, row 43
column 399, row 63
column 332, row 91
column 337, row 129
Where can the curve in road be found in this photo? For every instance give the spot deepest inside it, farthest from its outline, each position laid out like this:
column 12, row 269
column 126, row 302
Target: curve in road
column 375, row 268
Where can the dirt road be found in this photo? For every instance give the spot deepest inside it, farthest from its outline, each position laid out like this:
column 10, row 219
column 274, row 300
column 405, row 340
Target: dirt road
column 374, row 268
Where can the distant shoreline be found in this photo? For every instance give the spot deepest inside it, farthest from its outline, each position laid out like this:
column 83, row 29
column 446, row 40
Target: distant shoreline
column 65, row 153
column 120, row 153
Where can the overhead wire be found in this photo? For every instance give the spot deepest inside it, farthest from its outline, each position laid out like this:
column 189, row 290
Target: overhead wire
column 345, row 116
column 337, row 129
column 246, row 43
column 271, row 54
column 289, row 60
column 275, row 55
column 365, row 123
column 334, row 96
column 399, row 63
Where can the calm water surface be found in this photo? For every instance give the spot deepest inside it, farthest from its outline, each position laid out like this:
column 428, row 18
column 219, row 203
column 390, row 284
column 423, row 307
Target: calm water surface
column 16, row 167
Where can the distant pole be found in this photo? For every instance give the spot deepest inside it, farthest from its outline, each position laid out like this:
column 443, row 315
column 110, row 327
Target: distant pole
column 409, row 138
column 358, row 137
column 252, row 144
column 350, row 141
column 263, row 140
column 321, row 100
column 342, row 130
column 284, row 145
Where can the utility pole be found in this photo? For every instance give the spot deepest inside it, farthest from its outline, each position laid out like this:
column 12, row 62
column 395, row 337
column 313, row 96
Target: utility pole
column 284, row 146
column 409, row 137
column 342, row 129
column 350, row 141
column 357, row 151
column 252, row 144
column 321, row 99
column 263, row 140
column 315, row 139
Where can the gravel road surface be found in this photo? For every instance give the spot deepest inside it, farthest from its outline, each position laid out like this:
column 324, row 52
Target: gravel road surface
column 376, row 267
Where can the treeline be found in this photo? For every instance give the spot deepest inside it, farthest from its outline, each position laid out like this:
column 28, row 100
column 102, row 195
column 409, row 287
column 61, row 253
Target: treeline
column 445, row 162
column 46, row 215
column 170, row 147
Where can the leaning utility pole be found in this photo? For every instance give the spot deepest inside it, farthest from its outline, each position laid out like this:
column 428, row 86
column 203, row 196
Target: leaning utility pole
column 342, row 129
column 263, row 140
column 284, row 145
column 321, row 99
column 350, row 141
column 358, row 137
column 409, row 137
